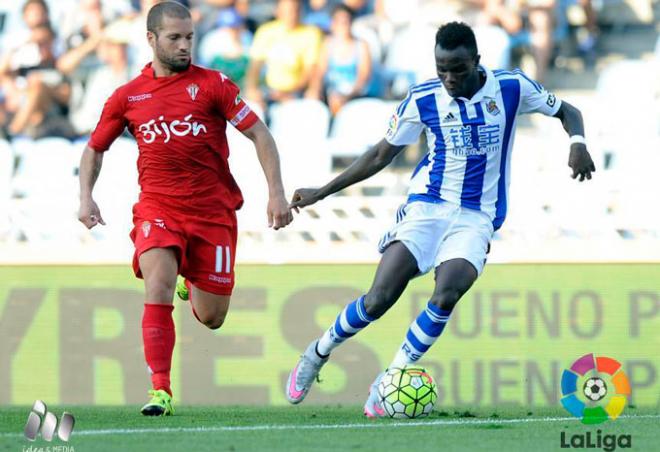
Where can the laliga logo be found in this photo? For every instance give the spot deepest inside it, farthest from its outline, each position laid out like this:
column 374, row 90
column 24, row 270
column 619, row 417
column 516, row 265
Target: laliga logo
column 41, row 420
column 594, row 389
column 151, row 129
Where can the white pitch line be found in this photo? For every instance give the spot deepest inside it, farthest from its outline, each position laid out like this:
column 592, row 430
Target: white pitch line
column 252, row 428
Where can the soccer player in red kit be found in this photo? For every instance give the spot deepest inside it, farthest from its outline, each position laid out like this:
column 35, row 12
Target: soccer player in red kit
column 184, row 221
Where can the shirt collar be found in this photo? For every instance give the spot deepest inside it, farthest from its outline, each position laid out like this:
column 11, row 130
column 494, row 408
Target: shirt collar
column 490, row 88
column 148, row 71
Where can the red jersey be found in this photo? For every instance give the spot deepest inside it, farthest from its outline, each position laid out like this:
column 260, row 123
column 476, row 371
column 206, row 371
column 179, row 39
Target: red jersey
column 179, row 123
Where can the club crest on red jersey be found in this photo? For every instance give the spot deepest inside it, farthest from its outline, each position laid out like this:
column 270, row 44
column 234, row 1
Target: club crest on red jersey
column 192, row 89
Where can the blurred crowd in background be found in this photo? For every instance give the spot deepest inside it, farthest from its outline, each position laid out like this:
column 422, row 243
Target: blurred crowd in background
column 59, row 60
column 326, row 76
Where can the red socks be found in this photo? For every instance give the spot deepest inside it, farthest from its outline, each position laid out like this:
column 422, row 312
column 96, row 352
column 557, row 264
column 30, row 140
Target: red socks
column 158, row 337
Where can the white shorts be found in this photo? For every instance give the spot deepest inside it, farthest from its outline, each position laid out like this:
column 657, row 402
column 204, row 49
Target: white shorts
column 435, row 233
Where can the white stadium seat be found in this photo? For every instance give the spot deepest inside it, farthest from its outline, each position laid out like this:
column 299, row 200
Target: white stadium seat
column 117, row 190
column 47, row 185
column 300, row 128
column 246, row 169
column 629, row 125
column 407, row 62
column 360, row 123
column 6, row 171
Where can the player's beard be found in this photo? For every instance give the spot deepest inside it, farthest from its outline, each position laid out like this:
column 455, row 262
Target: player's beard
column 172, row 62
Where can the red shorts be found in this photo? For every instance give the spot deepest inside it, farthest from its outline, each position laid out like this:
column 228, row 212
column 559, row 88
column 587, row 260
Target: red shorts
column 205, row 249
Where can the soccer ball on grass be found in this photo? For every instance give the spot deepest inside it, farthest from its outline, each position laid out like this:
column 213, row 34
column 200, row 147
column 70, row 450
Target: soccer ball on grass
column 407, row 393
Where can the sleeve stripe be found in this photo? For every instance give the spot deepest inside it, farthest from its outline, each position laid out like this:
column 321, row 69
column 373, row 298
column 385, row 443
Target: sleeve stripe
column 404, row 104
column 425, row 86
column 534, row 83
column 537, row 86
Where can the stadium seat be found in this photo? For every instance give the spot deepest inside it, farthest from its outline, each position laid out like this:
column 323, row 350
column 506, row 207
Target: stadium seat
column 300, row 128
column 359, row 124
column 622, row 133
column 348, row 220
column 45, row 166
column 580, row 210
column 116, row 191
column 305, row 118
column 634, row 198
column 369, row 36
column 6, row 171
column 246, row 169
column 407, row 62
column 46, row 183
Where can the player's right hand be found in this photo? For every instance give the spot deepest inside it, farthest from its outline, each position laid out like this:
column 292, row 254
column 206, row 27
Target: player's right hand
column 89, row 214
column 304, row 197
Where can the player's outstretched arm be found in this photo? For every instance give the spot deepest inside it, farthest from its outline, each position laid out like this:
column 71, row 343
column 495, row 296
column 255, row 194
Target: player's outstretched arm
column 368, row 164
column 278, row 211
column 579, row 159
column 90, row 167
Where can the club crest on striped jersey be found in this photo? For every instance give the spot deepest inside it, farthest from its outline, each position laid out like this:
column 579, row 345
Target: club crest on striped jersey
column 492, row 108
column 192, row 89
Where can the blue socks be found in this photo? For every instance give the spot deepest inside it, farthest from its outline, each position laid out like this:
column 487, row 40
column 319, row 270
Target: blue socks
column 422, row 334
column 352, row 319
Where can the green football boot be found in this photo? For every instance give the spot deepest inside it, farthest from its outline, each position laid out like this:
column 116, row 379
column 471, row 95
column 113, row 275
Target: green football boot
column 182, row 289
column 159, row 405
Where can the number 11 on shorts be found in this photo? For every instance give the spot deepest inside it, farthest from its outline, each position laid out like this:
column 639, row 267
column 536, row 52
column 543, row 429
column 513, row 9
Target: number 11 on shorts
column 222, row 254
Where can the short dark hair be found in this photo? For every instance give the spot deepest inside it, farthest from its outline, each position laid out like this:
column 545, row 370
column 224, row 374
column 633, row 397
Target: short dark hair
column 169, row 9
column 345, row 8
column 456, row 34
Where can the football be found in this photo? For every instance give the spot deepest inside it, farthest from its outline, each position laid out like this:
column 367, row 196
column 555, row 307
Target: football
column 407, row 393
column 595, row 389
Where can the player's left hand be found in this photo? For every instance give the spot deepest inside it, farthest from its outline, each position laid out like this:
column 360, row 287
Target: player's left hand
column 580, row 162
column 279, row 214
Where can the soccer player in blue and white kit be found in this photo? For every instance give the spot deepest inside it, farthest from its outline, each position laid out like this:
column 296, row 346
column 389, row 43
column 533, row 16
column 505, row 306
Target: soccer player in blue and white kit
column 457, row 196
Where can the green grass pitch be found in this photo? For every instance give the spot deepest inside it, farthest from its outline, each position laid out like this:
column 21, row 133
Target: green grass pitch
column 332, row 428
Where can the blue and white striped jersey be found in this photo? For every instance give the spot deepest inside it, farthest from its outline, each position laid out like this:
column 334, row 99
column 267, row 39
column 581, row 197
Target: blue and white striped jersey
column 469, row 140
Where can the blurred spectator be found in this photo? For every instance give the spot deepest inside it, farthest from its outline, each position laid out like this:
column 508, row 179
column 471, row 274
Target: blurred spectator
column 75, row 20
column 344, row 67
column 385, row 18
column 582, row 15
column 86, row 106
column 139, row 51
column 227, row 48
column 35, row 14
column 36, row 93
column 96, row 67
column 288, row 50
column 361, row 7
column 205, row 14
column 540, row 14
column 138, row 4
column 260, row 11
column 79, row 61
column 18, row 20
column 497, row 21
column 318, row 12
